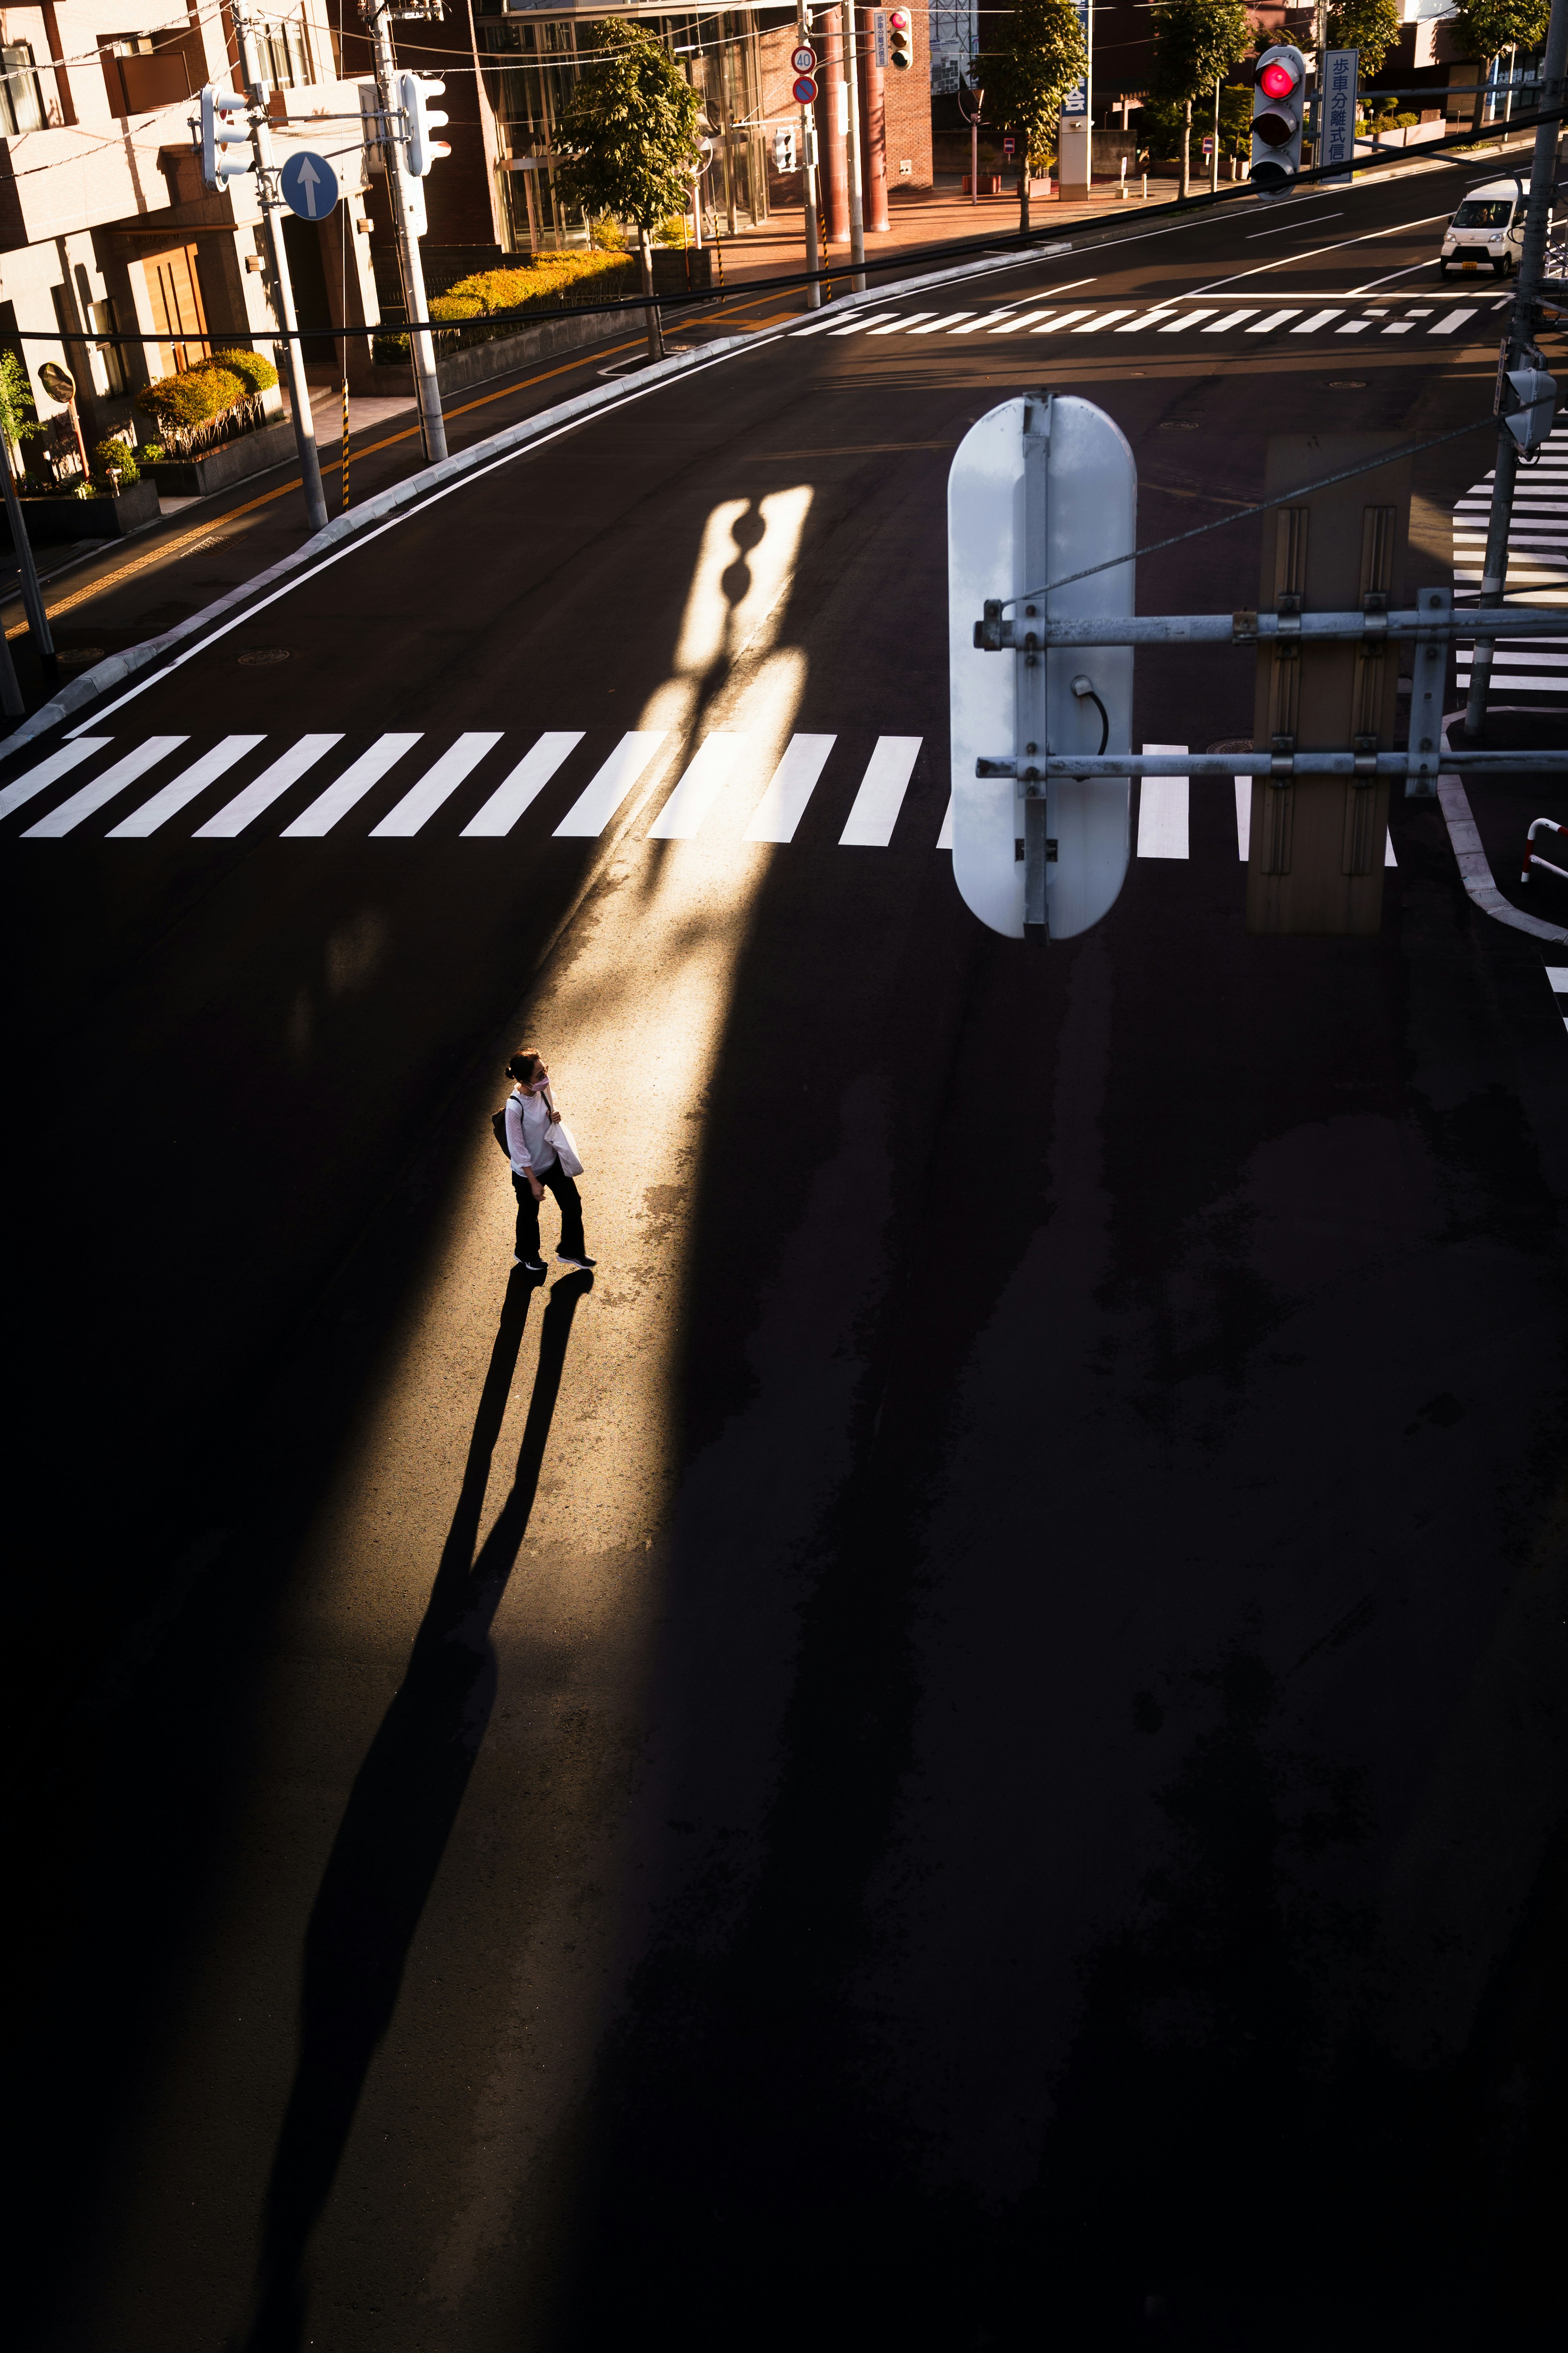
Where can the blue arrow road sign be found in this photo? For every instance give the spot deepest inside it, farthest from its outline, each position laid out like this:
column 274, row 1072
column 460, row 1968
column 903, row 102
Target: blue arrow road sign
column 310, row 186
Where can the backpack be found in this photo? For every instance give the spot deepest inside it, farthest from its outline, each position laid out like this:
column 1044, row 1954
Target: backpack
column 498, row 1129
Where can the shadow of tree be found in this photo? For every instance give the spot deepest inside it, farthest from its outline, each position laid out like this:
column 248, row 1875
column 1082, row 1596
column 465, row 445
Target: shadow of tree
column 398, row 1817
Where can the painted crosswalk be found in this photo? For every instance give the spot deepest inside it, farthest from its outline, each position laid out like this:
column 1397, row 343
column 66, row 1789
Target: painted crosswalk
column 480, row 785
column 1234, row 318
column 1532, row 673
column 1557, row 981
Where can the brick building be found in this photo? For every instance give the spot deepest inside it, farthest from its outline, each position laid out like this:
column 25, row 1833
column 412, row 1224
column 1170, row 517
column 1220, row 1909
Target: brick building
column 105, row 229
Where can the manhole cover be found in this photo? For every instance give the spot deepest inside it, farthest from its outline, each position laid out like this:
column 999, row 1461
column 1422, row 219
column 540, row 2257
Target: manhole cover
column 261, row 656
column 81, row 656
column 1347, row 384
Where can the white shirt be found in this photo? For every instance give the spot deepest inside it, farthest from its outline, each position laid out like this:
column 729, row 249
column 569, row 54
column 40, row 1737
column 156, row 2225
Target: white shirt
column 527, row 1117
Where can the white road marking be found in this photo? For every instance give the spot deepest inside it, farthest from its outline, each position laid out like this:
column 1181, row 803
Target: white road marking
column 944, row 319
column 266, row 788
column 1222, row 326
column 944, row 839
column 1289, row 260
column 1149, row 319
column 1163, row 811
column 437, row 783
column 1321, row 221
column 710, row 769
column 1319, row 318
column 1388, row 857
column 350, row 787
column 92, row 797
column 48, row 772
column 596, row 804
column 1106, row 319
column 523, row 785
column 897, row 326
column 1272, row 318
column 875, row 807
column 1243, row 817
column 1011, row 326
column 986, row 318
column 1051, row 326
column 858, row 326
column 1190, row 319
column 184, row 789
column 791, row 786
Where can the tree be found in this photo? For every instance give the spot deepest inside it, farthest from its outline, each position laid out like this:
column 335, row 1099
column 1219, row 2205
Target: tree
column 1197, row 42
column 1041, row 55
column 1486, row 28
column 18, row 418
column 629, row 133
column 1369, row 25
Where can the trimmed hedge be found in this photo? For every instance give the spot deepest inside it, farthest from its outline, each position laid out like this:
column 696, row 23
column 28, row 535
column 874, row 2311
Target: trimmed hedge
column 256, row 374
column 178, row 403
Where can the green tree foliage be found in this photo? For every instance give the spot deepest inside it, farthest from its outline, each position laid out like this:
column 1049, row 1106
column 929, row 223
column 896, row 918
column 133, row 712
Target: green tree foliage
column 1369, row 25
column 256, row 374
column 1040, row 54
column 1197, row 42
column 1487, row 27
column 115, row 453
column 629, row 134
column 18, row 418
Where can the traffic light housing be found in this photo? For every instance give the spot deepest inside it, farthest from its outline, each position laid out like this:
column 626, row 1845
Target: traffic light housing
column 1040, row 487
column 420, row 118
column 222, row 124
column 1278, row 111
column 900, row 37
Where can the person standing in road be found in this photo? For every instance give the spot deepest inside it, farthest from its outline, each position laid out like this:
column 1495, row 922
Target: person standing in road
column 536, row 1163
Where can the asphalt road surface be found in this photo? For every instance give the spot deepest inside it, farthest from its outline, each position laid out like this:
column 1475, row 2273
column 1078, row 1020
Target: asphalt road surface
column 962, row 1746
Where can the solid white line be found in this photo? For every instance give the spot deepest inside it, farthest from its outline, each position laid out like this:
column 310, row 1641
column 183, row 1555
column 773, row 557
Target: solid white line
column 421, row 801
column 1321, row 219
column 1373, row 283
column 350, row 787
column 875, row 810
column 266, row 788
column 1339, row 245
column 91, row 798
column 1243, row 817
column 524, row 785
column 791, row 786
column 1163, row 811
column 49, row 772
column 596, row 804
column 710, row 769
column 184, row 789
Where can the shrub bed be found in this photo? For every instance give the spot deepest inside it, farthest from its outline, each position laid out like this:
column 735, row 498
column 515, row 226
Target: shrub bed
column 209, row 404
column 550, row 281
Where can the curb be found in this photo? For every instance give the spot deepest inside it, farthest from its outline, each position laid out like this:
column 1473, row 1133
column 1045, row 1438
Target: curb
column 432, row 482
column 1475, row 869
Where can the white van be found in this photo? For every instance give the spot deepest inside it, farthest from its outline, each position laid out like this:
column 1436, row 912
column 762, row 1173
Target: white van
column 1487, row 232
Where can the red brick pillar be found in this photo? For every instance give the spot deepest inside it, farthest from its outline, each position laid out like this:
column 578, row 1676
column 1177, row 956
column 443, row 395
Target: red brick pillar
column 873, row 119
column 830, row 140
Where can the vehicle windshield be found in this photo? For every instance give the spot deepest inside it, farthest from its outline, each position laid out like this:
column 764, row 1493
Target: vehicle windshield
column 1492, row 215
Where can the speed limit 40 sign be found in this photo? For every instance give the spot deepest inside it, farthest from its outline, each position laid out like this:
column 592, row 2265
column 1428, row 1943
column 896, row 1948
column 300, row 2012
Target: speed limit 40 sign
column 802, row 59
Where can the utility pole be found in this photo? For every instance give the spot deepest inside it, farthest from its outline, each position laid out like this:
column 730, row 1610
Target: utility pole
column 1521, row 345
column 255, row 88
column 407, row 200
column 856, row 218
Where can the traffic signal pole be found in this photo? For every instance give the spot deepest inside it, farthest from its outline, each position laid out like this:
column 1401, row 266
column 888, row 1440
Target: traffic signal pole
column 406, row 224
column 256, row 89
column 856, row 217
column 1521, row 351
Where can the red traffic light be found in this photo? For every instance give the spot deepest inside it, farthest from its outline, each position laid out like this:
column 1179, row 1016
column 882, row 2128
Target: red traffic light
column 1276, row 81
column 899, row 19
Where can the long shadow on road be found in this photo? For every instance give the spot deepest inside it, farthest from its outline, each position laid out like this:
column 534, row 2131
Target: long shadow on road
column 399, row 1816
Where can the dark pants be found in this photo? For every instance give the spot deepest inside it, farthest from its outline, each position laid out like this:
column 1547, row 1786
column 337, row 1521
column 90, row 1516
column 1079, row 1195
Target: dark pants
column 570, row 1203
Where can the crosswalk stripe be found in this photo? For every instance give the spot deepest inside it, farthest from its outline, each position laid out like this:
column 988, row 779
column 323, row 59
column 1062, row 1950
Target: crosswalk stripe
column 1149, row 319
column 48, row 772
column 875, row 810
column 1447, row 326
column 1106, row 319
column 1222, row 326
column 944, row 839
column 523, row 785
column 1053, row 326
column 944, row 319
column 268, row 786
column 707, row 772
column 1011, row 326
column 313, row 823
column 858, row 326
column 791, row 786
column 1163, row 811
column 897, row 326
column 436, row 785
column 986, row 318
column 1190, row 319
column 596, row 804
column 1272, row 318
column 93, row 796
column 1319, row 318
column 187, row 787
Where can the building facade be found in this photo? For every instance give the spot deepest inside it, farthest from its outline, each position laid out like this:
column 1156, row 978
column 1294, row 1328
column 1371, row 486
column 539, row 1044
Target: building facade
column 106, row 231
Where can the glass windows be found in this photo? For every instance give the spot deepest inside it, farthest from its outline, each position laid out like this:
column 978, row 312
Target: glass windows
column 21, row 101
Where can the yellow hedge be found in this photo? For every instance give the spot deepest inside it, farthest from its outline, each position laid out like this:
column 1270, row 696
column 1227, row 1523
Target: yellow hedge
column 544, row 281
